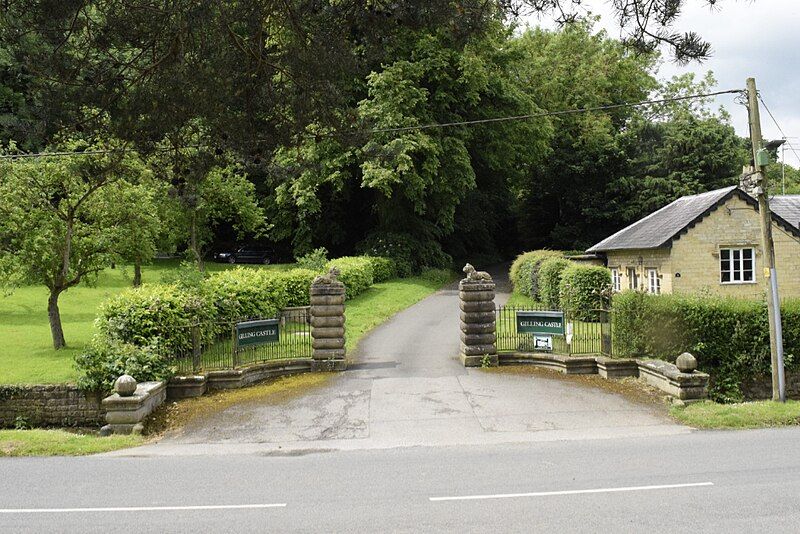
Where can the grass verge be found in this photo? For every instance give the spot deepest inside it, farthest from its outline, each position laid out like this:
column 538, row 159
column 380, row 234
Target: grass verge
column 758, row 414
column 41, row 442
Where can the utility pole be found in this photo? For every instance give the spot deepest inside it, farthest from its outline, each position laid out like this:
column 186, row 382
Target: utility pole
column 773, row 302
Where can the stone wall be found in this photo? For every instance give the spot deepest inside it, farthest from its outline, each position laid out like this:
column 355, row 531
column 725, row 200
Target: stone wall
column 760, row 387
column 49, row 405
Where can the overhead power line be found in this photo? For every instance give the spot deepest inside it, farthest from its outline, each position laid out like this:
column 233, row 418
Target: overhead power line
column 401, row 129
column 553, row 113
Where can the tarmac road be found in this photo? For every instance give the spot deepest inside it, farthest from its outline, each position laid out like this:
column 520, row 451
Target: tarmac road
column 746, row 481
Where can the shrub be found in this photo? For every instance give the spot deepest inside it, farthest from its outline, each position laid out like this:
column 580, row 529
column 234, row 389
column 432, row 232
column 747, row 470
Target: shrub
column 411, row 255
column 583, row 289
column 729, row 337
column 382, row 268
column 314, row 260
column 154, row 313
column 296, row 283
column 245, row 293
column 550, row 280
column 524, row 272
column 437, row 276
column 355, row 272
column 107, row 359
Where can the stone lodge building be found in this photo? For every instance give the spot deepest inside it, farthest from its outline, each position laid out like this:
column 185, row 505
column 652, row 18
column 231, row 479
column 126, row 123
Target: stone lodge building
column 710, row 241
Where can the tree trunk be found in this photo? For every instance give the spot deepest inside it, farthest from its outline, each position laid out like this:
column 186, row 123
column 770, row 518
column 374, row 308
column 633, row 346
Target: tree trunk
column 194, row 246
column 54, row 315
column 137, row 273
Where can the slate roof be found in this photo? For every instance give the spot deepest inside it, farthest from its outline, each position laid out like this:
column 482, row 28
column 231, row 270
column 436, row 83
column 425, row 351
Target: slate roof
column 660, row 227
column 787, row 207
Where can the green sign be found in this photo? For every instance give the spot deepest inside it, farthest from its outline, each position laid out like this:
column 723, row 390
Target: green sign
column 253, row 333
column 540, row 322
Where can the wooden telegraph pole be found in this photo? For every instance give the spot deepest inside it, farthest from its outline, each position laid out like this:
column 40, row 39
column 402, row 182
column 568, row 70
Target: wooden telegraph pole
column 773, row 302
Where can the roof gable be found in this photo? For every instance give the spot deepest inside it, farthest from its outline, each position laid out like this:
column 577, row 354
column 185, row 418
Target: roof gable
column 662, row 226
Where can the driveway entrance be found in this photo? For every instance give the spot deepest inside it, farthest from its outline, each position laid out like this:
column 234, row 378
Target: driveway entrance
column 406, row 387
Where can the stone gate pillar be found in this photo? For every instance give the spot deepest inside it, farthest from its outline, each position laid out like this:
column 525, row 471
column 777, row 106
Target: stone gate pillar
column 476, row 295
column 327, row 323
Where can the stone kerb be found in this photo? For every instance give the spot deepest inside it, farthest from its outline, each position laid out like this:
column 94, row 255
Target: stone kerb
column 478, row 338
column 327, row 325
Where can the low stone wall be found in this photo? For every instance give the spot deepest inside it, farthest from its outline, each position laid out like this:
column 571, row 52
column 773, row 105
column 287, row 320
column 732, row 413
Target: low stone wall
column 50, row 405
column 184, row 387
column 683, row 387
column 760, row 387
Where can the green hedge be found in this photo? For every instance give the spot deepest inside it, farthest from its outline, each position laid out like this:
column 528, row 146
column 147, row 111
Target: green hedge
column 584, row 289
column 729, row 337
column 296, row 283
column 524, row 272
column 107, row 359
column 550, row 281
column 383, row 269
column 245, row 293
column 154, row 315
column 356, row 273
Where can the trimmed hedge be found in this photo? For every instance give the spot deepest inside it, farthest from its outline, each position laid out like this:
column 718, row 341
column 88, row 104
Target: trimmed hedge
column 356, row 273
column 296, row 283
column 154, row 315
column 550, row 281
column 524, row 272
column 729, row 337
column 382, row 268
column 245, row 293
column 584, row 289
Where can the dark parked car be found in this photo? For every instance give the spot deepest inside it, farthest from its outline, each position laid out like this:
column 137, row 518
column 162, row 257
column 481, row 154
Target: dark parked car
column 244, row 255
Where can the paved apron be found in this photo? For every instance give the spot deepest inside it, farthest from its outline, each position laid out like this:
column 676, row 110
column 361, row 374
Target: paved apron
column 407, row 388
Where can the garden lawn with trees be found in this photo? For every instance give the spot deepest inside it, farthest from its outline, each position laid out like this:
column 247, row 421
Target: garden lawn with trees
column 28, row 356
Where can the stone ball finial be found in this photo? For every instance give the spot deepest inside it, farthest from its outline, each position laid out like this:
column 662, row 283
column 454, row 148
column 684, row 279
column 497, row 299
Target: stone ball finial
column 125, row 386
column 686, row 363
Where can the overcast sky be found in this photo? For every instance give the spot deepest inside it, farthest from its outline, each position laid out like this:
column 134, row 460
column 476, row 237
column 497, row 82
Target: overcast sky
column 750, row 38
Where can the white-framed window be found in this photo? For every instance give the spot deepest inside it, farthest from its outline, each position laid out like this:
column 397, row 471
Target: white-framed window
column 653, row 282
column 737, row 265
column 633, row 278
column 616, row 280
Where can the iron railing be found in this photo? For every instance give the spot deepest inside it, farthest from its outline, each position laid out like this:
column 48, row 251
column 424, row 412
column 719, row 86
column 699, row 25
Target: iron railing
column 581, row 337
column 213, row 346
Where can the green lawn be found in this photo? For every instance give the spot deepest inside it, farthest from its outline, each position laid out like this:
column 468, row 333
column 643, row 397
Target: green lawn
column 60, row 443
column 27, row 355
column 742, row 415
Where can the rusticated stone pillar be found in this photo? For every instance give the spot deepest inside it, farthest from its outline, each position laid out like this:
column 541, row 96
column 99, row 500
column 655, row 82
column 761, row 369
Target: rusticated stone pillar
column 327, row 323
column 476, row 293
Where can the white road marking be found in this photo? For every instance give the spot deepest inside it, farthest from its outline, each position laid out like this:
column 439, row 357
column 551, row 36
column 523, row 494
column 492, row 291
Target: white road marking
column 569, row 492
column 136, row 508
